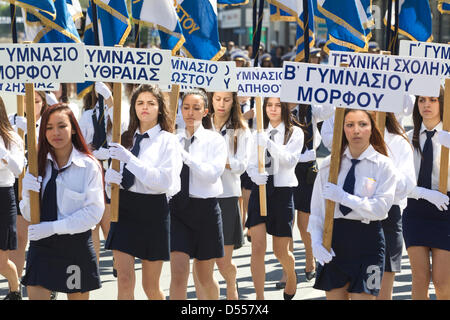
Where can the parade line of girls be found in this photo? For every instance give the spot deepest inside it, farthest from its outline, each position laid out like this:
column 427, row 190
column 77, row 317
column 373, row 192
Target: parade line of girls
column 181, row 197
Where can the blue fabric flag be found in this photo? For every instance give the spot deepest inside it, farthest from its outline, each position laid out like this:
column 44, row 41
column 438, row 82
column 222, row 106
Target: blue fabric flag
column 415, row 21
column 113, row 28
column 47, row 29
column 45, row 6
column 162, row 15
column 348, row 24
column 198, row 18
column 444, row 6
column 278, row 14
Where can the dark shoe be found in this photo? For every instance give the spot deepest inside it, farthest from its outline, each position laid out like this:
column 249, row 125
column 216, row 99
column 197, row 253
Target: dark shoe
column 13, row 295
column 114, row 270
column 53, row 295
column 310, row 275
column 289, row 296
column 280, row 285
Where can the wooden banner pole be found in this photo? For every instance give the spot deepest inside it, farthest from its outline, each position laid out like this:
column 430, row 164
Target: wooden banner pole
column 20, row 113
column 32, row 151
column 443, row 173
column 173, row 102
column 261, row 150
column 115, row 164
column 335, row 163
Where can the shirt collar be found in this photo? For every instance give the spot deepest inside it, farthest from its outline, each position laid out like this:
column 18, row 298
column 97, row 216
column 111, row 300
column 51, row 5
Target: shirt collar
column 438, row 127
column 198, row 134
column 370, row 154
column 76, row 157
column 151, row 132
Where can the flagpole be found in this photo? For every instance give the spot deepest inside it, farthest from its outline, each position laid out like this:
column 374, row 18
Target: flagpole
column 20, row 98
column 394, row 48
column 137, row 36
column 388, row 25
column 97, row 43
column 306, row 31
column 257, row 27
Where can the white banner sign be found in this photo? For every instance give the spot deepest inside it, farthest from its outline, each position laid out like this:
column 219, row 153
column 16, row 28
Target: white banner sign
column 210, row 75
column 19, row 88
column 422, row 76
column 49, row 62
column 259, row 82
column 425, row 49
column 127, row 65
column 342, row 87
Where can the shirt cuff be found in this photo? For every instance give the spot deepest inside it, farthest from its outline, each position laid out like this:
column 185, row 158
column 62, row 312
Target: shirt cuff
column 60, row 227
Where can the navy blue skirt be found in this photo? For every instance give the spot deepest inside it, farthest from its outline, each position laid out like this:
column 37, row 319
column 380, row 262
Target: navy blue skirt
column 63, row 263
column 246, row 182
column 142, row 230
column 359, row 260
column 280, row 210
column 303, row 192
column 8, row 215
column 197, row 230
column 425, row 226
column 392, row 228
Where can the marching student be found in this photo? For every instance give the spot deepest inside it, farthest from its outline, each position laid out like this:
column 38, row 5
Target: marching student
column 61, row 254
column 228, row 121
column 196, row 221
column 401, row 153
column 426, row 219
column 283, row 150
column 40, row 105
column 12, row 161
column 363, row 195
column 150, row 171
column 91, row 123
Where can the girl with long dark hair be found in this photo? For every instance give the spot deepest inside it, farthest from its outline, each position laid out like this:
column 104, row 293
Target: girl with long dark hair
column 61, row 254
column 284, row 143
column 426, row 219
column 150, row 172
column 363, row 195
column 12, row 161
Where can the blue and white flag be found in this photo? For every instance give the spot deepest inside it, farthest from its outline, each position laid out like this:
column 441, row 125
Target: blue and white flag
column 75, row 11
column 198, row 18
column 348, row 24
column 45, row 6
column 415, row 21
column 41, row 27
column 295, row 10
column 162, row 15
column 277, row 13
column 444, row 6
column 225, row 3
column 113, row 28
column 318, row 16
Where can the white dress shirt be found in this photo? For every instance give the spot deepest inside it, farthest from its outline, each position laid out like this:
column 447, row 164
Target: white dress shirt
column 401, row 153
column 80, row 196
column 158, row 165
column 208, row 155
column 15, row 161
column 284, row 156
column 87, row 127
column 12, row 121
column 375, row 185
column 436, row 155
column 231, row 179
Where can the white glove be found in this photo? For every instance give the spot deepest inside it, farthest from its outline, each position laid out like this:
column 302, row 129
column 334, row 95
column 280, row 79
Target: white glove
column 101, row 153
column 119, row 152
column 51, row 99
column 444, row 138
column 21, row 123
column 3, row 152
column 112, row 176
column 103, row 90
column 262, row 138
column 440, row 200
column 31, row 183
column 321, row 254
column 41, row 230
column 333, row 192
column 307, row 156
column 186, row 156
column 260, row 178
